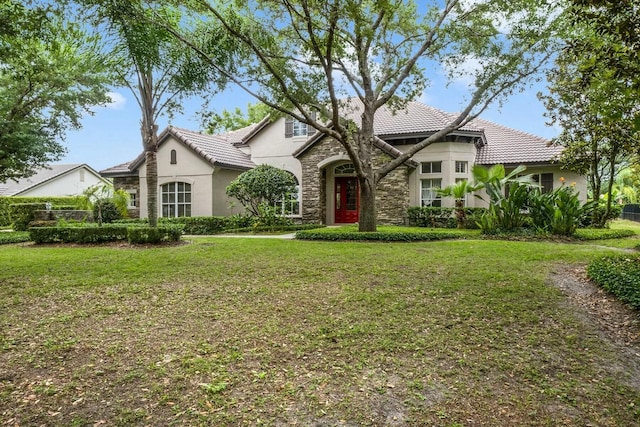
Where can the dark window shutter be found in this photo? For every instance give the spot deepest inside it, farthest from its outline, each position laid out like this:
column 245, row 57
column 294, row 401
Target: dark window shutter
column 288, row 127
column 546, row 182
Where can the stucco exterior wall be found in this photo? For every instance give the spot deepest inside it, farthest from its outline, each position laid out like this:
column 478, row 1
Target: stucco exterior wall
column 447, row 153
column 271, row 147
column 72, row 183
column 207, row 191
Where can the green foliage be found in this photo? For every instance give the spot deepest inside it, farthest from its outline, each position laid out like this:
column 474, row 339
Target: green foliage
column 22, row 214
column 237, row 119
column 263, row 185
column 427, row 216
column 559, row 212
column 601, row 234
column 108, row 212
column 459, row 191
column 107, row 203
column 600, row 216
column 106, row 233
column 508, row 212
column 72, row 202
column 154, row 235
column 52, row 73
column 619, row 275
column 7, row 237
column 269, row 216
column 390, row 234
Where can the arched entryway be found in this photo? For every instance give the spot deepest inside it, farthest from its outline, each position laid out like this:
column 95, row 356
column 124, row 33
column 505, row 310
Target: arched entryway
column 346, row 195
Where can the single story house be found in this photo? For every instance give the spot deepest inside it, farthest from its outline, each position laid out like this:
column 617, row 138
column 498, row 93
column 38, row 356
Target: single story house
column 54, row 180
column 194, row 168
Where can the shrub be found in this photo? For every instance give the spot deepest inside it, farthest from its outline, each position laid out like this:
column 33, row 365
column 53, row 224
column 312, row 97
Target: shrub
column 110, row 212
column 163, row 233
column 601, row 234
column 427, row 216
column 106, row 233
column 597, row 218
column 351, row 234
column 22, row 214
column 619, row 275
column 268, row 216
column 559, row 212
column 14, row 237
column 86, row 234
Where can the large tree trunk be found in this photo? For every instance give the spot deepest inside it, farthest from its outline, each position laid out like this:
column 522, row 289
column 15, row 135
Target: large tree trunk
column 367, row 215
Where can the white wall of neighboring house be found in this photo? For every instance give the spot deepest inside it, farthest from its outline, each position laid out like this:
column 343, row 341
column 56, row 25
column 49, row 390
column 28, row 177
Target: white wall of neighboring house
column 72, row 183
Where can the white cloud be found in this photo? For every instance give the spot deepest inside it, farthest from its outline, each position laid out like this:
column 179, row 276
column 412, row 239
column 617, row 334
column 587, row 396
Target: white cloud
column 463, row 71
column 118, row 101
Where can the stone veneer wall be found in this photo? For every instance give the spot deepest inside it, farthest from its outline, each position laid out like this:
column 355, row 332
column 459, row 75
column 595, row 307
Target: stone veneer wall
column 392, row 195
column 130, row 183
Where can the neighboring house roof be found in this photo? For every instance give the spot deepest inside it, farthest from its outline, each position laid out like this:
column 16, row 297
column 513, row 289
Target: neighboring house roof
column 215, row 149
column 41, row 177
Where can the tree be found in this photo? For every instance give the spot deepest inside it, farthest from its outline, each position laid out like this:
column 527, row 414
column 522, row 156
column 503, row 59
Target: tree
column 50, row 74
column 263, row 185
column 236, row 119
column 593, row 97
column 160, row 73
column 309, row 55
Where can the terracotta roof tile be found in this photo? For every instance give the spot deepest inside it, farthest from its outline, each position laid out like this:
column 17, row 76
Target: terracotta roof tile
column 213, row 148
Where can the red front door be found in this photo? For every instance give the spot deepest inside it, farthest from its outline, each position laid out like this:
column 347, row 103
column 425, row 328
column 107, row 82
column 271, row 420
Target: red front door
column 347, row 200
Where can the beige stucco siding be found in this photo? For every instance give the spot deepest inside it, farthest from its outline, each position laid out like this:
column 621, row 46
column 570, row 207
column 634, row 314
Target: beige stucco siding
column 272, row 148
column 207, row 183
column 222, row 204
column 447, row 153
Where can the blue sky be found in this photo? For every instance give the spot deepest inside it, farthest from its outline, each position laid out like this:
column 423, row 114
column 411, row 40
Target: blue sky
column 112, row 135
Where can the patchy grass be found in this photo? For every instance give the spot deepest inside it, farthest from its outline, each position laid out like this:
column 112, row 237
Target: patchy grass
column 279, row 332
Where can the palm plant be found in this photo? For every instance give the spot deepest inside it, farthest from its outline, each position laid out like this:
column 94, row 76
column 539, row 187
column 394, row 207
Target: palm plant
column 459, row 191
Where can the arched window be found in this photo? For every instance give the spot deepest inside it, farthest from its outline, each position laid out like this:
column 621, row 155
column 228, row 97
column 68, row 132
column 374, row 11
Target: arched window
column 345, row 169
column 174, row 157
column 176, row 199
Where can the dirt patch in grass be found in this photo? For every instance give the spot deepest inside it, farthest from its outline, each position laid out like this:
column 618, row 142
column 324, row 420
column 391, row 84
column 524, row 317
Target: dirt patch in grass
column 616, row 323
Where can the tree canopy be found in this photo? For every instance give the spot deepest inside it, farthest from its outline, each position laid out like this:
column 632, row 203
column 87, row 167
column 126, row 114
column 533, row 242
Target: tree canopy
column 51, row 73
column 308, row 56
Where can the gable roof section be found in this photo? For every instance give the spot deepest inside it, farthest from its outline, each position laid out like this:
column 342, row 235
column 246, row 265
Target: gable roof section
column 123, row 169
column 214, row 149
column 41, row 177
column 510, row 146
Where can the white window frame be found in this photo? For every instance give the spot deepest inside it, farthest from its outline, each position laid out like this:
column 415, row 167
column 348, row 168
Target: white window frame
column 430, row 192
column 177, row 207
column 461, row 166
column 430, row 167
column 133, row 199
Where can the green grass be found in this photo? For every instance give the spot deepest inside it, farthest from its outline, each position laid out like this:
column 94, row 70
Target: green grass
column 280, row 332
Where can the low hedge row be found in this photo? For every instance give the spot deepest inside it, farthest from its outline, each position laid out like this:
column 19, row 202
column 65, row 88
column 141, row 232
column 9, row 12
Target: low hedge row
column 106, row 233
column 199, row 225
column 381, row 236
column 7, row 237
column 620, row 275
column 428, row 216
column 601, row 234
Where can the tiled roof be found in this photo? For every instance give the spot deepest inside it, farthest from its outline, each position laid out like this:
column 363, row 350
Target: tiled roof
column 415, row 118
column 118, row 170
column 13, row 188
column 213, row 148
column 510, row 146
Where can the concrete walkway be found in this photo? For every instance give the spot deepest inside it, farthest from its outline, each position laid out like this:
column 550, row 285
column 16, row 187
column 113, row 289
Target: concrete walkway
column 288, row 236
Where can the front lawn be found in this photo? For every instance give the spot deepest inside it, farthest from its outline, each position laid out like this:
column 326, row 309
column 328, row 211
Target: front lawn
column 280, row 332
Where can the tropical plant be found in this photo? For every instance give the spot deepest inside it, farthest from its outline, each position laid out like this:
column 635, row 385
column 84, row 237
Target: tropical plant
column 459, row 192
column 559, row 212
column 508, row 195
column 103, row 200
column 263, row 185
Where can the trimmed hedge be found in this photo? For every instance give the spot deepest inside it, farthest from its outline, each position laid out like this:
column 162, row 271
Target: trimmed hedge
column 106, row 233
column 199, row 225
column 619, row 275
column 69, row 202
column 7, row 237
column 428, row 216
column 22, row 214
column 331, row 234
column 601, row 234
